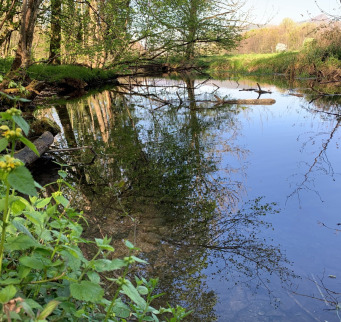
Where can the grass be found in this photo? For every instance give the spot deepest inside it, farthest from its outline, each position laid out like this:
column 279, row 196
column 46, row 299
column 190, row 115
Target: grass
column 249, row 63
column 55, row 73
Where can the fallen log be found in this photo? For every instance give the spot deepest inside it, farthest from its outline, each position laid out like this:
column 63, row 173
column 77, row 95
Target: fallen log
column 27, row 156
column 265, row 101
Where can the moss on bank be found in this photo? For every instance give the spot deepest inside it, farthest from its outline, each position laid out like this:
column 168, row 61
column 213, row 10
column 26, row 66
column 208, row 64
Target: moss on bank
column 55, row 73
column 52, row 73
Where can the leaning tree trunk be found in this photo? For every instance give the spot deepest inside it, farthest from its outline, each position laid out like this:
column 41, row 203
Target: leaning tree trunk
column 55, row 41
column 28, row 20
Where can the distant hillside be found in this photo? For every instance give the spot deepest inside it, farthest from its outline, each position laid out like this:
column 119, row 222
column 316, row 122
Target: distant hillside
column 318, row 19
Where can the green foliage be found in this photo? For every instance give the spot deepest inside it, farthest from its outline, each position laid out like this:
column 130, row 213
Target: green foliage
column 309, row 43
column 44, row 272
column 5, row 65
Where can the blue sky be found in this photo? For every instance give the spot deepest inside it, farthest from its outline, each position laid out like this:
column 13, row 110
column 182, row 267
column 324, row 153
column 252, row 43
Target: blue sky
column 298, row 10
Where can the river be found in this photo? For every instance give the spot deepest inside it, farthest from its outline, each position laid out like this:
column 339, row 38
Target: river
column 235, row 207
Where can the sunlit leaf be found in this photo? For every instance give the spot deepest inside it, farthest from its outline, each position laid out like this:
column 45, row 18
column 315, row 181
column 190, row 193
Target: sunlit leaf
column 3, row 144
column 49, row 308
column 139, row 260
column 43, row 202
column 21, row 123
column 21, row 179
column 7, row 293
column 142, row 290
column 62, row 200
column 129, row 244
column 30, row 145
column 17, row 207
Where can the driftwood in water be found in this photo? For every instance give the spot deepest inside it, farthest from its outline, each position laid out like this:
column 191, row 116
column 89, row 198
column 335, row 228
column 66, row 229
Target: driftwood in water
column 27, row 156
column 250, row 101
column 268, row 101
column 259, row 90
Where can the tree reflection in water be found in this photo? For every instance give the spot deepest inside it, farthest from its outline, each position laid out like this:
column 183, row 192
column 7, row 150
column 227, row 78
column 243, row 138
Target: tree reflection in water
column 170, row 181
column 328, row 109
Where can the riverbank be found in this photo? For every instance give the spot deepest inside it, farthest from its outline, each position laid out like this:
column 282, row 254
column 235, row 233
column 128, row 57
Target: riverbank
column 55, row 80
column 56, row 73
column 249, row 63
column 75, row 80
column 318, row 64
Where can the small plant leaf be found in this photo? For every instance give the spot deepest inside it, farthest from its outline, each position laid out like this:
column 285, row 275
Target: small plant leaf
column 9, row 281
column 43, row 202
column 35, row 217
column 20, row 242
column 62, row 174
column 142, row 290
column 6, row 95
column 49, row 308
column 7, row 293
column 21, row 179
column 94, row 277
column 30, row 145
column 86, row 291
column 102, row 265
column 34, row 262
column 129, row 289
column 3, row 144
column 20, row 227
column 21, row 99
column 120, row 309
column 17, row 207
column 139, row 260
column 118, row 263
column 21, row 123
column 129, row 244
column 62, row 200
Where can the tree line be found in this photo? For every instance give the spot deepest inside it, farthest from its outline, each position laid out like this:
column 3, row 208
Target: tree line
column 294, row 35
column 114, row 32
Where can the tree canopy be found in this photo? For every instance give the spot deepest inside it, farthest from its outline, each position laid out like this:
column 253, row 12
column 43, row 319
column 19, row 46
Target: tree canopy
column 115, row 32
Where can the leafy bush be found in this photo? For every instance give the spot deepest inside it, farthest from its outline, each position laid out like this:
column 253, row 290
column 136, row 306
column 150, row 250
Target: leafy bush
column 43, row 271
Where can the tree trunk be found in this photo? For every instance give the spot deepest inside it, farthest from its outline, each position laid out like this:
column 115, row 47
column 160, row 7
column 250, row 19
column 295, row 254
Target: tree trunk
column 192, row 29
column 28, row 20
column 55, row 41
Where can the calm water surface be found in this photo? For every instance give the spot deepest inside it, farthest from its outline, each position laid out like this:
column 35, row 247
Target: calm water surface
column 236, row 208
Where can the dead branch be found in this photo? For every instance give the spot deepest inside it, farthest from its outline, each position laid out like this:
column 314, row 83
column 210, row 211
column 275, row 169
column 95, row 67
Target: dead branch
column 260, row 91
column 69, row 149
column 247, row 90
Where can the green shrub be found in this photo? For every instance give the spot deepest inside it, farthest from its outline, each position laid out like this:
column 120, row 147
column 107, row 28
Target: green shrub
column 44, row 274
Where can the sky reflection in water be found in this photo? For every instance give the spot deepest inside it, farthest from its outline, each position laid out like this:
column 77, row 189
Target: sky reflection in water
column 201, row 186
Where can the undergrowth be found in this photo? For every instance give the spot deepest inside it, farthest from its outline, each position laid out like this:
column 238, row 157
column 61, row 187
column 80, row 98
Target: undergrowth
column 44, row 274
